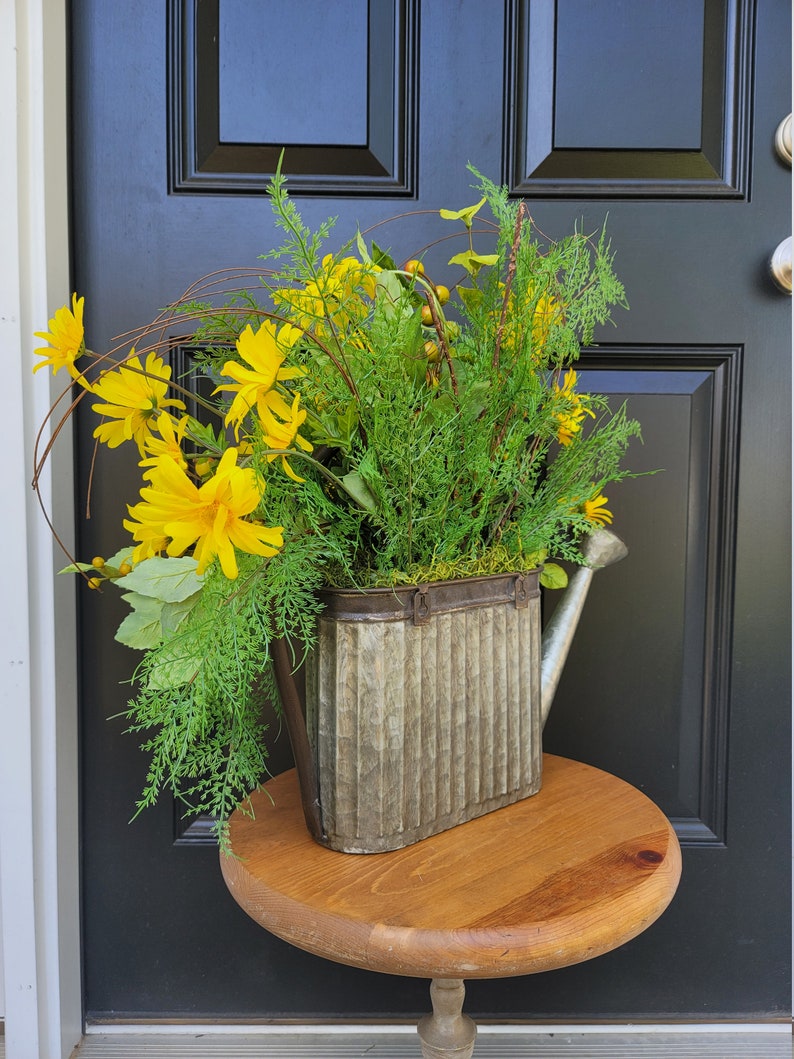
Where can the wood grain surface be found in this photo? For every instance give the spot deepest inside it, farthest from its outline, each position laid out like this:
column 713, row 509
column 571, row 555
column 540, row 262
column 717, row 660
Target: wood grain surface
column 555, row 879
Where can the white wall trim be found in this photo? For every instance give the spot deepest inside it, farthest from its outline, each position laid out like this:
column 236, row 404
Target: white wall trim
column 38, row 752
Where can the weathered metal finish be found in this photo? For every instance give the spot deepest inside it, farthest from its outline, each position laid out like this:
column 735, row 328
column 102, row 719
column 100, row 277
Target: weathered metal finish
column 418, row 727
column 418, row 602
column 425, row 704
column 601, row 548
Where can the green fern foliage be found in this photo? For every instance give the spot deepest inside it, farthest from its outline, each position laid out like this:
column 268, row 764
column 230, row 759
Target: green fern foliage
column 360, row 426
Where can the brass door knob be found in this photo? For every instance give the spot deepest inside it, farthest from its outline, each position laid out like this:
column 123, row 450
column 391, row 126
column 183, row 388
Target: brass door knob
column 780, row 266
column 783, row 140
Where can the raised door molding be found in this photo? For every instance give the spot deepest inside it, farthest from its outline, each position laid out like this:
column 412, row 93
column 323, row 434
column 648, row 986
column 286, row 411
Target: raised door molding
column 675, row 586
column 347, row 135
column 619, row 100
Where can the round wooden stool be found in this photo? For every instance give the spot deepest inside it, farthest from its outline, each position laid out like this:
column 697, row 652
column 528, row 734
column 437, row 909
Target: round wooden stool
column 558, row 878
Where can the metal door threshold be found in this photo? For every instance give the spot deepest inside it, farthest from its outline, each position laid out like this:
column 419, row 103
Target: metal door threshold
column 736, row 1044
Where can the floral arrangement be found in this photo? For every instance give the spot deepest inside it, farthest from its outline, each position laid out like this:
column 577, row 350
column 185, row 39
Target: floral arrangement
column 365, row 426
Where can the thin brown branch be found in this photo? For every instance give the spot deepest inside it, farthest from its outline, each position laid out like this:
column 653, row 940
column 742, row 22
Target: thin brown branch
column 511, row 271
column 438, row 324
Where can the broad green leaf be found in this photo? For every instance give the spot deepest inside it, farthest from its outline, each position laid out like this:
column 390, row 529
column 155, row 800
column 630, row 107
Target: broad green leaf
column 122, row 556
column 553, row 576
column 173, row 614
column 141, row 629
column 356, row 487
column 476, row 395
column 348, row 422
column 333, row 441
column 442, row 409
column 471, row 297
column 166, row 579
column 472, row 261
column 76, row 568
column 465, row 215
column 390, row 293
column 382, row 258
column 536, row 558
column 416, row 366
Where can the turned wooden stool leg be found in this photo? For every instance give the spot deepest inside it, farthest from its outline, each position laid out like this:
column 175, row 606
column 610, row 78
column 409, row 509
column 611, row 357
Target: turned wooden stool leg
column 447, row 1033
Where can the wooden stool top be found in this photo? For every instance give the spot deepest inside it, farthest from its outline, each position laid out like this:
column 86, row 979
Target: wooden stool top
column 568, row 874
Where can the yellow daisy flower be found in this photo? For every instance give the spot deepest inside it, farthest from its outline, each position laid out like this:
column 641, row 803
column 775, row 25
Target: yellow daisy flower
column 335, row 295
column 66, row 338
column 209, row 518
column 570, row 418
column 168, row 444
column 595, row 510
column 133, row 398
column 151, row 540
column 519, row 320
column 545, row 313
column 264, row 351
column 283, row 433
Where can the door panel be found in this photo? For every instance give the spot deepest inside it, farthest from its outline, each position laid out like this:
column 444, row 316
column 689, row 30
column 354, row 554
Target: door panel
column 678, row 680
column 231, row 114
column 670, row 115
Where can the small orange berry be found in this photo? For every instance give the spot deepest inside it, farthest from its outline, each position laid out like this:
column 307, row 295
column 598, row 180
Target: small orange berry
column 98, row 562
column 94, row 582
column 432, row 352
column 442, row 293
column 416, row 268
column 427, row 316
column 125, row 568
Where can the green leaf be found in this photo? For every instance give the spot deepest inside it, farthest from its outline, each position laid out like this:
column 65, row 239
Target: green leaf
column 166, row 579
column 356, row 487
column 471, row 297
column 204, row 435
column 553, row 576
column 382, row 258
column 536, row 558
column 77, row 568
column 465, row 215
column 173, row 614
column 391, row 295
column 476, row 398
column 110, row 571
column 122, row 556
column 442, row 409
column 348, row 422
column 141, row 629
column 363, row 253
column 472, row 261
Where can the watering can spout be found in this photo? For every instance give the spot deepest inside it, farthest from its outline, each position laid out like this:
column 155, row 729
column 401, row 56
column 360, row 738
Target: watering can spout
column 601, row 548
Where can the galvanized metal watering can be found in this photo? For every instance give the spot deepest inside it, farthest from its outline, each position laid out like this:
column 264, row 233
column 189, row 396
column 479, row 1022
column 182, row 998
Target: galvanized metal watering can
column 425, row 704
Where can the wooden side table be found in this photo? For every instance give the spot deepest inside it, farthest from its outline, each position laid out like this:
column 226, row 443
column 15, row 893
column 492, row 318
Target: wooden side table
column 558, row 878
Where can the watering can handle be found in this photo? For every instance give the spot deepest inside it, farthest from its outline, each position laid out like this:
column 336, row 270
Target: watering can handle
column 298, row 737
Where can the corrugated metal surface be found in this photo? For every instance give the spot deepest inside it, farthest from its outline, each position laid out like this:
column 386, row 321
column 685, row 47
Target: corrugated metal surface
column 734, row 1045
column 391, row 704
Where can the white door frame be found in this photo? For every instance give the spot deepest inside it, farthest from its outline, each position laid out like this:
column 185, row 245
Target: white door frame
column 39, row 876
